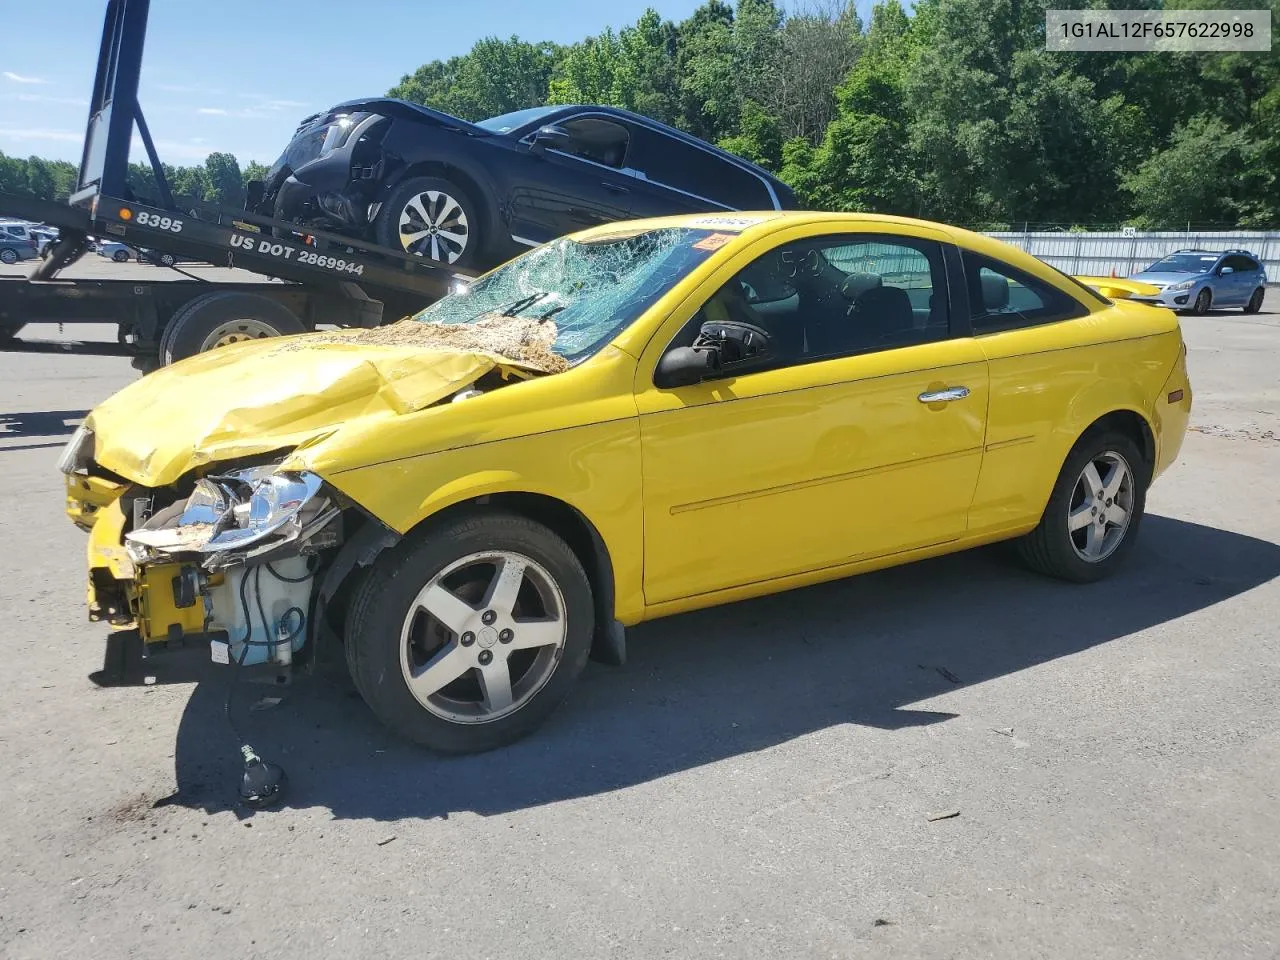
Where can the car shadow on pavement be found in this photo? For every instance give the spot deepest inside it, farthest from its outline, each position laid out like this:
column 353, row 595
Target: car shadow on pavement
column 40, row 423
column 706, row 686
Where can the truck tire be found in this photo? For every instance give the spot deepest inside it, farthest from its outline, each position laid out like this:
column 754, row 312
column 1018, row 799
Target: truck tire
column 432, row 218
column 217, row 319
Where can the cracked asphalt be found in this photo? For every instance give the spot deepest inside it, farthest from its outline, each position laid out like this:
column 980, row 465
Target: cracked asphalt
column 760, row 780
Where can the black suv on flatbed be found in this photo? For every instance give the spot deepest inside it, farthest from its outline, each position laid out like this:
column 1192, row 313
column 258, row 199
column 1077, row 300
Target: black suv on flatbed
column 475, row 194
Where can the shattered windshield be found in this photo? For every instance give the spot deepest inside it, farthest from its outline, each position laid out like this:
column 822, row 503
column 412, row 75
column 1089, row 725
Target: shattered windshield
column 590, row 290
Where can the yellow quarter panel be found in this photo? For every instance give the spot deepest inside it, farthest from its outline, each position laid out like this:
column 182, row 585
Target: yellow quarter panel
column 1048, row 384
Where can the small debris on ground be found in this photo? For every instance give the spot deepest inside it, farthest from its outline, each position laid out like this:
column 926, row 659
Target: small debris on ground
column 385, row 840
column 943, row 815
column 948, row 674
column 1003, row 731
column 266, row 703
column 881, row 922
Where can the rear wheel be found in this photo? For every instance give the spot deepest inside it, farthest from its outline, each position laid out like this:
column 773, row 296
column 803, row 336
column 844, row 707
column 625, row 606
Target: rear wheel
column 433, row 218
column 1094, row 512
column 469, row 637
column 1204, row 299
column 8, row 256
column 218, row 319
column 1255, row 302
column 120, row 256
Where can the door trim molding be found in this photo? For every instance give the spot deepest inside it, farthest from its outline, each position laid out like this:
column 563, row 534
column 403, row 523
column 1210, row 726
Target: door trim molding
column 818, row 481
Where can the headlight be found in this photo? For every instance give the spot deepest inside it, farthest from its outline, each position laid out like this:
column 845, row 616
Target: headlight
column 78, row 453
column 261, row 503
column 237, row 512
column 340, row 131
column 1184, row 285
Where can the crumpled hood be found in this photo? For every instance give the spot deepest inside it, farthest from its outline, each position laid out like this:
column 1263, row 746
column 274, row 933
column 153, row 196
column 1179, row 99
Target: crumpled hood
column 266, row 395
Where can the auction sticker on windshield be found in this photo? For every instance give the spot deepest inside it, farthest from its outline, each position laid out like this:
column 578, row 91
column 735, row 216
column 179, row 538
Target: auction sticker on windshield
column 713, row 241
column 736, row 224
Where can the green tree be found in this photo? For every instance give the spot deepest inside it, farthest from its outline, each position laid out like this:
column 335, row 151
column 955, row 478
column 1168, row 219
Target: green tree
column 495, row 77
column 1197, row 178
column 191, row 182
column 708, row 88
column 226, row 184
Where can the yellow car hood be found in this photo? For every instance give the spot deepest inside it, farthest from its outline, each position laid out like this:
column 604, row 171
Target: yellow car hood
column 266, row 395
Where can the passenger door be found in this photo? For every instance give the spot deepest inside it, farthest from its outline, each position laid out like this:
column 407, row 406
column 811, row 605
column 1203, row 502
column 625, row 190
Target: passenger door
column 559, row 191
column 862, row 437
column 1235, row 287
column 675, row 176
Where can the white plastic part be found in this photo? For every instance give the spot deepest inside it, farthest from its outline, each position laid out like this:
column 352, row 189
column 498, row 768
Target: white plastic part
column 277, row 598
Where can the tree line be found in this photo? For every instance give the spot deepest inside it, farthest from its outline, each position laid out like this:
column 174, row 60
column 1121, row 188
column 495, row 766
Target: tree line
column 218, row 180
column 951, row 111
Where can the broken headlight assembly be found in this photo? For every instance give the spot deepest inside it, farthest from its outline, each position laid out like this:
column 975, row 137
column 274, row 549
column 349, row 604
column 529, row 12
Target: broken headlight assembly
column 78, row 453
column 231, row 517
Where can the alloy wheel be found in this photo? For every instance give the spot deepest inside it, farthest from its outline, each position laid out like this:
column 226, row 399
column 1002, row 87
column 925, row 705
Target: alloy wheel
column 433, row 224
column 8, row 256
column 483, row 637
column 1101, row 507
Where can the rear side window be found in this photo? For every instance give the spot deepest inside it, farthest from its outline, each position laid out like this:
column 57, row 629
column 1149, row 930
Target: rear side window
column 674, row 163
column 598, row 140
column 1002, row 297
column 1240, row 263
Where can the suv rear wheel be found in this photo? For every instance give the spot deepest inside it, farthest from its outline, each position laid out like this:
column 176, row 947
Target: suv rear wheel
column 433, row 218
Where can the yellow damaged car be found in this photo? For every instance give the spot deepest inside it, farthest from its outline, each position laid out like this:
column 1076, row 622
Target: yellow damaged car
column 634, row 421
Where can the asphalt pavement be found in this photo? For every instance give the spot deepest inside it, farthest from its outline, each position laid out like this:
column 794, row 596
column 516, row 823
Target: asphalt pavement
column 955, row 759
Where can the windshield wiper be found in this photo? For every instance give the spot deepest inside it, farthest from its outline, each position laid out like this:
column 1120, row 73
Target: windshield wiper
column 524, row 303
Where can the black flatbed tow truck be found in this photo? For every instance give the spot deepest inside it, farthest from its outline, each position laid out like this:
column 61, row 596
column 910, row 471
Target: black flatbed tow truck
column 314, row 278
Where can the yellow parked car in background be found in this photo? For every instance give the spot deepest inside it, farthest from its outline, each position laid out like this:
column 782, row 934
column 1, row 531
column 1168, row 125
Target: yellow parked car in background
column 638, row 420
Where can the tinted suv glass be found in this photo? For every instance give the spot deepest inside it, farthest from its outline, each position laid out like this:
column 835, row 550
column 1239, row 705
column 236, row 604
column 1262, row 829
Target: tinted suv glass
column 1239, row 263
column 674, row 163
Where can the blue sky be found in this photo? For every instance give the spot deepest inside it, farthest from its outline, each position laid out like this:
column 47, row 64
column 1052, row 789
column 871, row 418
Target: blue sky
column 238, row 75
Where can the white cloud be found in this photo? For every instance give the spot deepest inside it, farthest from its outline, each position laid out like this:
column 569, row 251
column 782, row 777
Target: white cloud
column 212, row 111
column 40, row 133
column 19, row 78
column 41, row 98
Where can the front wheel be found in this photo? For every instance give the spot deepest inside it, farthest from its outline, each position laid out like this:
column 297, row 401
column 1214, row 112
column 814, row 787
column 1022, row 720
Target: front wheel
column 1202, row 302
column 468, row 637
column 1094, row 512
column 120, row 256
column 432, row 218
column 1255, row 302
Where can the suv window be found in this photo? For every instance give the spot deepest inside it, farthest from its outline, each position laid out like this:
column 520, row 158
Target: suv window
column 1239, row 263
column 673, row 163
column 836, row 296
column 1002, row 297
column 598, row 140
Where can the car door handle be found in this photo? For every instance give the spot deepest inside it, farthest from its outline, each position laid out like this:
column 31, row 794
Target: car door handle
column 944, row 396
column 614, row 187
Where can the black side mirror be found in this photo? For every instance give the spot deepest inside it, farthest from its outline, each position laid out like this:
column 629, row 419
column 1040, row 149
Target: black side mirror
column 551, row 137
column 685, row 366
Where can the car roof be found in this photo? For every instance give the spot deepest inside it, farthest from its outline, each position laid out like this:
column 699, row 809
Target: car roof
column 641, row 120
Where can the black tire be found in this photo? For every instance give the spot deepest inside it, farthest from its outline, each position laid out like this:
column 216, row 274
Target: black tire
column 382, row 602
column 1203, row 301
column 120, row 256
column 387, row 223
column 195, row 321
column 166, row 260
column 1255, row 302
column 1049, row 549
column 8, row 256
